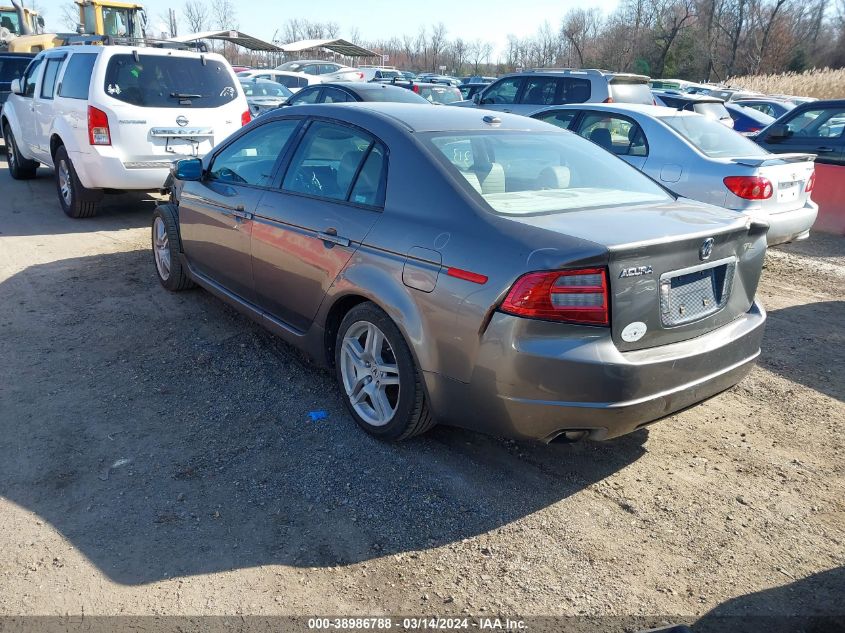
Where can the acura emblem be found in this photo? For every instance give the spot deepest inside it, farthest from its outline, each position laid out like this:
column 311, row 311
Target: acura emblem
column 706, row 249
column 182, row 120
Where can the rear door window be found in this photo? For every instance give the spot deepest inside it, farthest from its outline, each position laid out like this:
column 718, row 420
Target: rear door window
column 77, row 76
column 334, row 95
column 327, row 161
column 162, row 81
column 306, row 96
column 560, row 118
column 575, row 90
column 617, row 134
column 504, row 91
column 540, row 91
column 51, row 72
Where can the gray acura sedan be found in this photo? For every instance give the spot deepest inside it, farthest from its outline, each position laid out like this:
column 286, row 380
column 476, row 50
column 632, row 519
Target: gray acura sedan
column 458, row 266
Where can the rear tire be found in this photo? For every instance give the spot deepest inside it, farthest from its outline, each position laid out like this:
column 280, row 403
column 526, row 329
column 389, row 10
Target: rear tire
column 378, row 376
column 76, row 200
column 20, row 168
column 166, row 250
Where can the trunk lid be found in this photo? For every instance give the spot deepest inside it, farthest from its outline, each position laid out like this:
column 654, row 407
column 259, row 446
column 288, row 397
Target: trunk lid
column 788, row 174
column 676, row 271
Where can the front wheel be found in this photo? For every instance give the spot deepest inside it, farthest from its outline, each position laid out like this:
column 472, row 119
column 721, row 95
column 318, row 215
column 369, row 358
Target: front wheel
column 378, row 376
column 19, row 167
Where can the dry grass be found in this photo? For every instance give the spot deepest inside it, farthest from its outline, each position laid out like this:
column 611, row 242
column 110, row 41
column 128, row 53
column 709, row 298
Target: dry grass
column 822, row 83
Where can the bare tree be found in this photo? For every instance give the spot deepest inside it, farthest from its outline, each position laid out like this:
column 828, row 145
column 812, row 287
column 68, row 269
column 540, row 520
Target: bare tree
column 195, row 13
column 579, row 26
column 438, row 43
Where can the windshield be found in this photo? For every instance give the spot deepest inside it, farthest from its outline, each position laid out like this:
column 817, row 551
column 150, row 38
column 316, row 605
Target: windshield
column 519, row 173
column 9, row 20
column 712, row 138
column 159, row 81
column 626, row 92
column 264, row 89
column 713, row 110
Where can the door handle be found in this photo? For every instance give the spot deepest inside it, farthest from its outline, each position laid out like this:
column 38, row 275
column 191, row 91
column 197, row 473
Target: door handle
column 240, row 213
column 332, row 237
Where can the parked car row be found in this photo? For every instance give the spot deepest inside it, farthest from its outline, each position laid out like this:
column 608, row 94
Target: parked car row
column 578, row 272
column 464, row 267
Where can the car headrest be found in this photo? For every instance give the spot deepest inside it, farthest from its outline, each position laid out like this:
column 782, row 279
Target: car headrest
column 601, row 136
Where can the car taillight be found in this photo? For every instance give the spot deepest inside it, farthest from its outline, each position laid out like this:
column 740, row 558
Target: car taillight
column 416, row 88
column 360, row 75
column 572, row 296
column 246, row 117
column 749, row 187
column 811, row 183
column 98, row 127
column 609, row 100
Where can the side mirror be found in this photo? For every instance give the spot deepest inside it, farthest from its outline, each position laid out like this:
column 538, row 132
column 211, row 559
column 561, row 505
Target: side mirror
column 476, row 98
column 16, row 87
column 187, row 169
column 777, row 132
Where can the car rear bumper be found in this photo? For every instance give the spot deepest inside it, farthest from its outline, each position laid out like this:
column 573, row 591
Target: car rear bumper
column 789, row 226
column 530, row 382
column 104, row 169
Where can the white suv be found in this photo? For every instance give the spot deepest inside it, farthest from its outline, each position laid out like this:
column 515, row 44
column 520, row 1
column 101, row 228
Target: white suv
column 116, row 117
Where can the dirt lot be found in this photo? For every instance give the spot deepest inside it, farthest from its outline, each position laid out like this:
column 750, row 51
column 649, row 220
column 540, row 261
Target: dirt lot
column 156, row 457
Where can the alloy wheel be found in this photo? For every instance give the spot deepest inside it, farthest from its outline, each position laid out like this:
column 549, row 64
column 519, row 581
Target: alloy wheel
column 10, row 153
column 161, row 249
column 370, row 373
column 64, row 183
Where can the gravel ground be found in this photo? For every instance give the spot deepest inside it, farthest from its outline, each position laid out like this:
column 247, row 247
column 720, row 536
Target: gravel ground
column 156, row 457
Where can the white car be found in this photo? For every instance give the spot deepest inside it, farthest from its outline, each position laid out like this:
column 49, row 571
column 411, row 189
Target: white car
column 290, row 80
column 699, row 158
column 325, row 70
column 380, row 73
column 116, row 117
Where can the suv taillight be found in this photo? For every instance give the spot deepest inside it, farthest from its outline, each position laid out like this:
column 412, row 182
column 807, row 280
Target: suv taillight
column 98, row 127
column 572, row 296
column 246, row 117
column 811, row 182
column 749, row 187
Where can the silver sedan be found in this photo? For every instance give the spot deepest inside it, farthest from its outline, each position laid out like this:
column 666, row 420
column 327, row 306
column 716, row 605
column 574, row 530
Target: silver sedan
column 700, row 159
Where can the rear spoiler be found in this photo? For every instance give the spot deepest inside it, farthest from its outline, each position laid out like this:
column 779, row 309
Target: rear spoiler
column 774, row 159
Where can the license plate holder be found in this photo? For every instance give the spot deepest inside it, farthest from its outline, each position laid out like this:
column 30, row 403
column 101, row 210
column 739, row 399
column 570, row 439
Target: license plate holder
column 788, row 191
column 694, row 293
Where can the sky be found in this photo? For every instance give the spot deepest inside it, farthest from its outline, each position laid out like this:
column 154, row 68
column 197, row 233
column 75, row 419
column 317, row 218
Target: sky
column 489, row 20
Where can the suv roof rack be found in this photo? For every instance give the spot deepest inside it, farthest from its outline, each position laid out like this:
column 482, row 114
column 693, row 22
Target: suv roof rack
column 72, row 39
column 586, row 71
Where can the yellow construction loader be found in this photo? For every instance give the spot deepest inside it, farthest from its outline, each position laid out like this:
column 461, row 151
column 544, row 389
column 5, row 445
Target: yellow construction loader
column 124, row 20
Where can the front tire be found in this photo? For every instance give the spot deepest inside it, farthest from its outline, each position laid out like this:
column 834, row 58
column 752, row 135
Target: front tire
column 378, row 377
column 166, row 252
column 76, row 200
column 20, row 168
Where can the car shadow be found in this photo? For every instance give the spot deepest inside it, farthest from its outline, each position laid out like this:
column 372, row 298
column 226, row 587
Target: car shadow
column 31, row 207
column 166, row 435
column 819, row 244
column 804, row 344
column 810, row 605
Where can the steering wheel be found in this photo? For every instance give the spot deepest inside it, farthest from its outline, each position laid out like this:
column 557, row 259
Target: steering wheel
column 229, row 175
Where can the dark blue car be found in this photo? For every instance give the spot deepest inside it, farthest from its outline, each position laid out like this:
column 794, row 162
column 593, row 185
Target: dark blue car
column 748, row 121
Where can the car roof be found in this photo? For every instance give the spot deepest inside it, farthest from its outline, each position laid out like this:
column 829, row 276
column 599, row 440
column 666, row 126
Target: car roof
column 424, row 117
column 117, row 49
column 623, row 108
column 686, row 96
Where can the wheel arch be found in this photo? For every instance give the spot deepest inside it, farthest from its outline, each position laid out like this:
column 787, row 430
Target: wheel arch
column 367, row 282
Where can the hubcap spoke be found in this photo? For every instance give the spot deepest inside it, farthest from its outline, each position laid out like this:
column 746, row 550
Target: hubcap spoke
column 370, row 380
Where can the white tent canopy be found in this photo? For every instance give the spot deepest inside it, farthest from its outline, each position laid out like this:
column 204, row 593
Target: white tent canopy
column 341, row 47
column 235, row 37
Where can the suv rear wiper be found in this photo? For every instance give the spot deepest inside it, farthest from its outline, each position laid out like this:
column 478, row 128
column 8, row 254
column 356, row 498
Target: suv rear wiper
column 182, row 95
